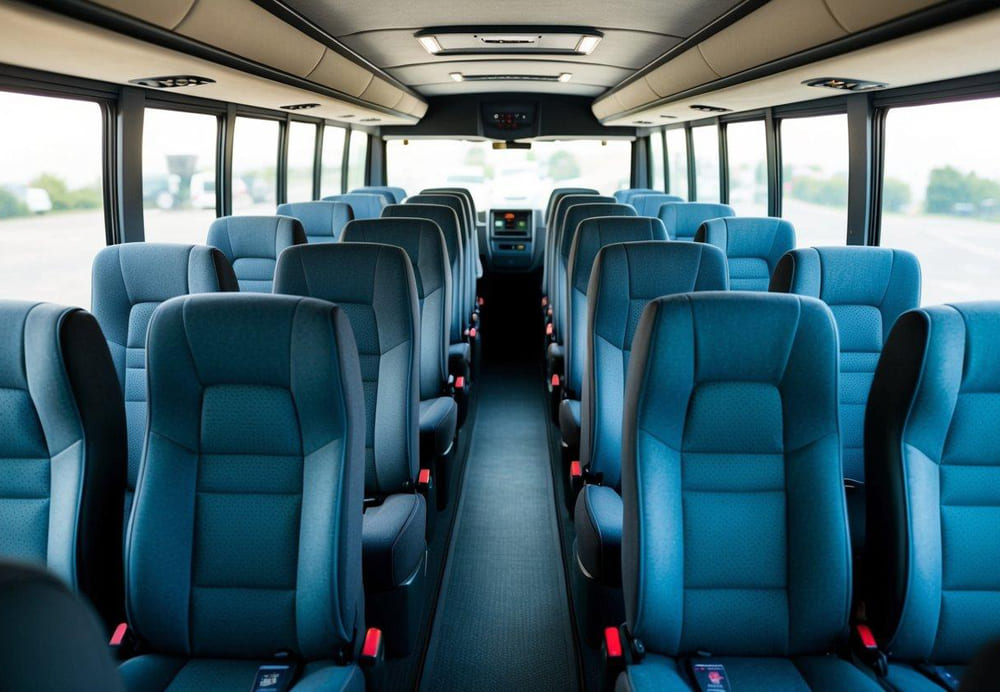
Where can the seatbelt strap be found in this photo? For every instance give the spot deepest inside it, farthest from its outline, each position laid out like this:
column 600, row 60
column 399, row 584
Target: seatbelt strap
column 709, row 677
column 940, row 675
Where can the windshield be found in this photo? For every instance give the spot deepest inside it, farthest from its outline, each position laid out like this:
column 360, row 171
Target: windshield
column 509, row 177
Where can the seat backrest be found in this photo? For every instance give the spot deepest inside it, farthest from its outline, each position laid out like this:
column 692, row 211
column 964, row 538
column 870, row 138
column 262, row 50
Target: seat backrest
column 456, row 203
column 682, row 219
column 62, row 449
column 554, row 240
column 246, row 535
column 867, row 288
column 423, row 243
column 550, row 238
column 374, row 284
column 321, row 221
column 625, row 277
column 130, row 281
column 396, row 194
column 447, row 222
column 470, row 207
column 574, row 216
column 753, row 247
column 365, row 205
column 252, row 245
column 50, row 639
column 625, row 196
column 649, row 203
column 932, row 474
column 735, row 449
column 592, row 235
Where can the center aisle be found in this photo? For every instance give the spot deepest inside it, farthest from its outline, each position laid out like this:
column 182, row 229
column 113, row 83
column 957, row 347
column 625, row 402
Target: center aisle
column 503, row 619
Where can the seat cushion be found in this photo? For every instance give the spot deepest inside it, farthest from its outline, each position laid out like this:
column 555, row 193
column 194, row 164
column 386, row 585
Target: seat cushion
column 438, row 422
column 598, row 519
column 751, row 674
column 569, row 422
column 907, row 678
column 155, row 672
column 393, row 541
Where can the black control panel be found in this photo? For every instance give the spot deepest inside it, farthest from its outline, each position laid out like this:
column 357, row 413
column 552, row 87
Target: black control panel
column 509, row 121
column 512, row 237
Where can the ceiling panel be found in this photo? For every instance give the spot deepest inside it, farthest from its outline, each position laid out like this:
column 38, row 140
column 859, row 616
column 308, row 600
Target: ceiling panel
column 635, row 34
column 455, row 88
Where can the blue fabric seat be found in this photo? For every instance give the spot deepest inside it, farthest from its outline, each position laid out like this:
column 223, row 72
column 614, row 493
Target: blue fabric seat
column 470, row 208
column 867, row 288
column 424, row 244
column 130, row 281
column 649, row 203
column 625, row 196
column 321, row 221
column 557, row 227
column 396, row 194
column 591, row 235
column 932, row 471
column 252, row 245
column 575, row 215
column 752, row 245
column 550, row 238
column 63, row 454
column 364, row 205
column 50, row 639
column 735, row 539
column 246, row 535
column 606, row 312
column 682, row 219
column 375, row 286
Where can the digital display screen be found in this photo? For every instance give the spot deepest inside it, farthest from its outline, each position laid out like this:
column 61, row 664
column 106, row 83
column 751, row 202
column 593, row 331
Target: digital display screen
column 509, row 121
column 511, row 221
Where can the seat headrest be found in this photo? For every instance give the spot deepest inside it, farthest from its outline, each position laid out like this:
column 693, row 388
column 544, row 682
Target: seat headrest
column 682, row 219
column 595, row 233
column 364, row 205
column 649, row 203
column 578, row 212
column 625, row 196
column 752, row 245
column 321, row 221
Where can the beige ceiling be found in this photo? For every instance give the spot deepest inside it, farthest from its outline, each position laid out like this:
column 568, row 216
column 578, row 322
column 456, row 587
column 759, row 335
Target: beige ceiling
column 635, row 33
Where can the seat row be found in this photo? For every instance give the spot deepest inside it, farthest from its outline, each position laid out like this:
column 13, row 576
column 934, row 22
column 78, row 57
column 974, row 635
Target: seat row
column 735, row 545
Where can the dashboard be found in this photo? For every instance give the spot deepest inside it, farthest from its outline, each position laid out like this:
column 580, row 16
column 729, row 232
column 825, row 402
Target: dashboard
column 514, row 237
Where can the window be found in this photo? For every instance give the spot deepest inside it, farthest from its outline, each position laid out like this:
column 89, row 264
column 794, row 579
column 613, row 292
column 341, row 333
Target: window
column 513, row 178
column 941, row 196
column 356, row 159
column 178, row 175
column 51, row 197
column 333, row 160
column 706, row 162
column 814, row 178
column 255, row 166
column 677, row 162
column 656, row 161
column 301, row 153
column 746, row 147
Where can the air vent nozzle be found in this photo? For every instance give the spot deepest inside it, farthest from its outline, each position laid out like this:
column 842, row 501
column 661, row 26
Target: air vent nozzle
column 710, row 109
column 845, row 84
column 300, row 106
column 172, row 81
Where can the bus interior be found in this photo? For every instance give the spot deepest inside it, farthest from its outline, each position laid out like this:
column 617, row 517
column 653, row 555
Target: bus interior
column 366, row 345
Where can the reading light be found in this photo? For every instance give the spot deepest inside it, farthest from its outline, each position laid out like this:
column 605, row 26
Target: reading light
column 587, row 44
column 430, row 44
column 565, row 77
column 457, row 76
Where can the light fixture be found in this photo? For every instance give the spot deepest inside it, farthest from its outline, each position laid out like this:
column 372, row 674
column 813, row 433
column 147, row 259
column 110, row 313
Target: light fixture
column 845, row 84
column 457, row 76
column 172, row 81
column 587, row 44
column 565, row 77
column 369, row 120
column 430, row 44
column 642, row 122
column 709, row 109
column 669, row 117
column 300, row 106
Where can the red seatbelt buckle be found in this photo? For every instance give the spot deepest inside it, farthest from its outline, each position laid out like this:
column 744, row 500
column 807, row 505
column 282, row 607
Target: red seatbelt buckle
column 480, row 301
column 424, row 482
column 865, row 637
column 612, row 641
column 549, row 329
column 472, row 333
column 460, row 383
column 118, row 636
column 555, row 380
column 575, row 478
column 373, row 650
column 867, row 649
column 545, row 301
